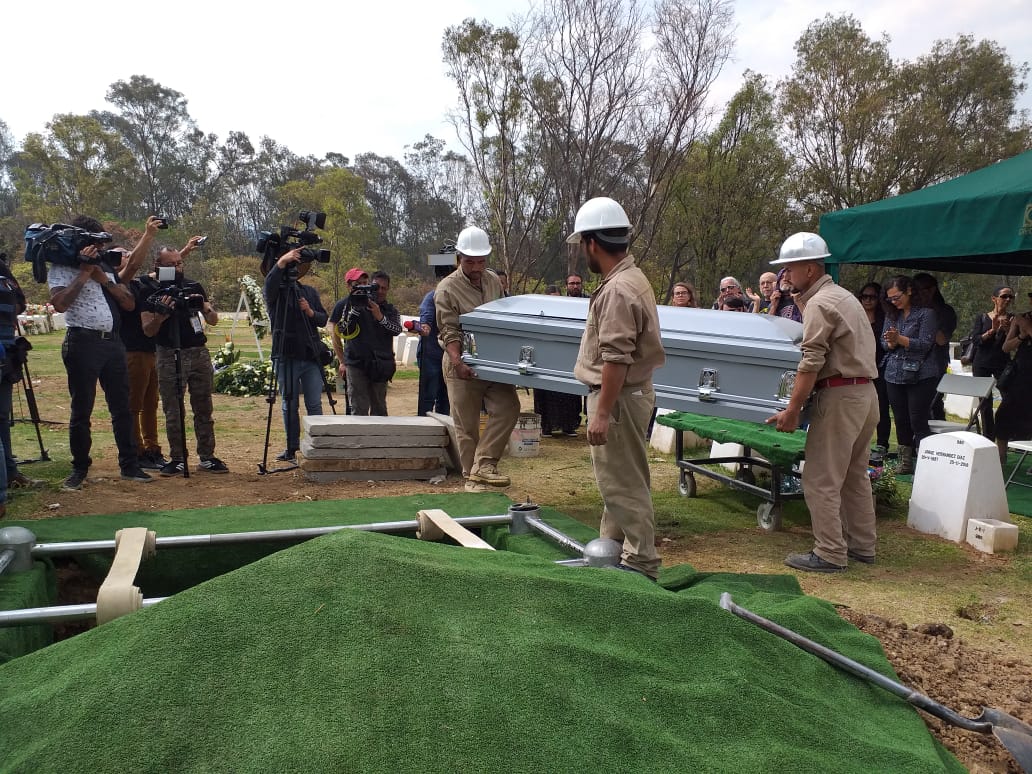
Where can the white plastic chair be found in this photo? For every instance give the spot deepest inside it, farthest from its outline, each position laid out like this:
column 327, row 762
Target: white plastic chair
column 978, row 387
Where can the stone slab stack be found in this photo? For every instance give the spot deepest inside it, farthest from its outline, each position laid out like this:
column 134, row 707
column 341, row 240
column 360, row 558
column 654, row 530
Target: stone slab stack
column 348, row 448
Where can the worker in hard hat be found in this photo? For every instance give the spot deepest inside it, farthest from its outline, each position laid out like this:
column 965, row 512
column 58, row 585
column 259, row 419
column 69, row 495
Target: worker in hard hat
column 620, row 349
column 460, row 292
column 838, row 369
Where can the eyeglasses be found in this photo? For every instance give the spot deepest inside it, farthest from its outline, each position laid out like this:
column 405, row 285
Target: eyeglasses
column 729, row 288
column 869, row 297
column 895, row 298
column 1006, row 297
column 681, row 293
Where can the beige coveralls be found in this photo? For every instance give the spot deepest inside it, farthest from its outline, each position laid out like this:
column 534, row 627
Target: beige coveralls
column 456, row 295
column 837, row 341
column 623, row 327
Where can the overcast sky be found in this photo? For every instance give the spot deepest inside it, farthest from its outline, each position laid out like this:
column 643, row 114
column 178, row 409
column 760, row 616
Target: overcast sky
column 351, row 77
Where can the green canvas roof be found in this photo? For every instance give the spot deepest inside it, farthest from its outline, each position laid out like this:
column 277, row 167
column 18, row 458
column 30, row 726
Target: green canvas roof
column 979, row 223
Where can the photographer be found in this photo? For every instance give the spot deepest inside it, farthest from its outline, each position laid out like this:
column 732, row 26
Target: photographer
column 297, row 315
column 12, row 303
column 91, row 298
column 174, row 319
column 368, row 325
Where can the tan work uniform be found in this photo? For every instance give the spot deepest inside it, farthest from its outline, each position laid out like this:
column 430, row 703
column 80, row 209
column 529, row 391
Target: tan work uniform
column 837, row 342
column 623, row 327
column 456, row 295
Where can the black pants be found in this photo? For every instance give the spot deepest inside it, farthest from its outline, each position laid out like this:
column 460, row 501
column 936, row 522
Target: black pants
column 985, row 412
column 881, row 434
column 88, row 358
column 912, row 408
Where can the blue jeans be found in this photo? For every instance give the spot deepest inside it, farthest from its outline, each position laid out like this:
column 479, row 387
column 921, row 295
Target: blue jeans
column 294, row 377
column 433, row 394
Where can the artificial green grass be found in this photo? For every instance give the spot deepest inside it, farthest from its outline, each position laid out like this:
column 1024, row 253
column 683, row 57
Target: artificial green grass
column 367, row 652
column 20, row 590
column 781, row 449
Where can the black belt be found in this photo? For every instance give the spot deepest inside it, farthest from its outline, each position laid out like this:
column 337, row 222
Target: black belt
column 594, row 387
column 104, row 335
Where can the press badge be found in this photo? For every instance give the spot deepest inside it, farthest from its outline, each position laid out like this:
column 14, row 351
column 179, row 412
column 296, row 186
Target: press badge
column 198, row 326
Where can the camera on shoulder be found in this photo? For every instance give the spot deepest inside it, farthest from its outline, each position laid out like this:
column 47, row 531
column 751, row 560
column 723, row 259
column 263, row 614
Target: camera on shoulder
column 62, row 244
column 272, row 245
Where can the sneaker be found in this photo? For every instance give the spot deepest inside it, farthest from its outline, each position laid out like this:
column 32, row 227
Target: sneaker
column 212, row 465
column 570, row 433
column 21, row 481
column 153, row 460
column 173, row 468
column 859, row 557
column 812, row 563
column 488, row 474
column 287, row 455
column 628, row 568
column 476, row 486
column 74, row 482
column 136, row 474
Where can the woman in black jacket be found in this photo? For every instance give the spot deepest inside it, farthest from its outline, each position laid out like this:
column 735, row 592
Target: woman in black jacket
column 871, row 299
column 988, row 332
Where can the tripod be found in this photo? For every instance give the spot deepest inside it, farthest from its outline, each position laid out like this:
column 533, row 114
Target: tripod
column 177, row 358
column 287, row 307
column 21, row 358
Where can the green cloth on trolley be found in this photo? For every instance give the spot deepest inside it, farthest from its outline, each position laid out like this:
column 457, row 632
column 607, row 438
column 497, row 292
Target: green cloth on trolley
column 781, row 449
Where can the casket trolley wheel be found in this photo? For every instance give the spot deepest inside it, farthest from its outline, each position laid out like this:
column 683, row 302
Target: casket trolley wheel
column 686, row 484
column 768, row 517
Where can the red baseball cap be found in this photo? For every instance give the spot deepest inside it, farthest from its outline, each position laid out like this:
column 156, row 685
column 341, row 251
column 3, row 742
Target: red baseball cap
column 355, row 274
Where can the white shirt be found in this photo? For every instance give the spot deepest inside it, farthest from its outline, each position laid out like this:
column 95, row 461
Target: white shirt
column 90, row 309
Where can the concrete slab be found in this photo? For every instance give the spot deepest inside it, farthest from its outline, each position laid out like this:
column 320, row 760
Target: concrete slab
column 351, row 425
column 453, row 443
column 379, row 464
column 378, row 441
column 375, row 475
column 369, row 452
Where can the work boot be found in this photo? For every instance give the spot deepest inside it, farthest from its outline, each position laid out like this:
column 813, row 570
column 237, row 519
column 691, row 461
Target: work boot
column 488, row 474
column 475, row 486
column 811, row 563
column 906, row 461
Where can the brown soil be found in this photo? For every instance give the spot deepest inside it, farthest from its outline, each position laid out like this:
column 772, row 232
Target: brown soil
column 962, row 677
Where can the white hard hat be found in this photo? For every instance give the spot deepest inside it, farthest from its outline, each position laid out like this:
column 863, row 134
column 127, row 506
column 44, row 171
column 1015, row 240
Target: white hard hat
column 804, row 246
column 473, row 242
column 600, row 214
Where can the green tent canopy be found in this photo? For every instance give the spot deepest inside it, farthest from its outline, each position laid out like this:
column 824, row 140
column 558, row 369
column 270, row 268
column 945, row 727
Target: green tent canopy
column 979, row 223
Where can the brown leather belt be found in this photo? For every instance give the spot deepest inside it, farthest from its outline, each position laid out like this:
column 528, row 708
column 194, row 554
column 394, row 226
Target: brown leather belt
column 840, row 381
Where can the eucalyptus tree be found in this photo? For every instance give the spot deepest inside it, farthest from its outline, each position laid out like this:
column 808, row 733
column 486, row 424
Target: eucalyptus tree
column 728, row 204
column 76, row 166
column 863, row 127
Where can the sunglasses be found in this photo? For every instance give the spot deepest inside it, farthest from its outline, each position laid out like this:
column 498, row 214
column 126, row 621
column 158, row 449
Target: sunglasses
column 729, row 288
column 895, row 298
column 869, row 297
column 1006, row 296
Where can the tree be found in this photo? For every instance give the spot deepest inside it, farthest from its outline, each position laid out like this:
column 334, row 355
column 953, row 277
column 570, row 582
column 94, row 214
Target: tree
column 864, row 128
column 78, row 166
column 492, row 123
column 171, row 153
column 350, row 231
column 728, row 203
column 959, row 112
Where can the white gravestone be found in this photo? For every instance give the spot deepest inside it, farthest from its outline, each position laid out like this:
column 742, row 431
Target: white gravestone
column 958, row 477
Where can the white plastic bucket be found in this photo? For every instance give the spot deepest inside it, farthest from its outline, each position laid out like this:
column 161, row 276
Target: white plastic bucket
column 525, row 440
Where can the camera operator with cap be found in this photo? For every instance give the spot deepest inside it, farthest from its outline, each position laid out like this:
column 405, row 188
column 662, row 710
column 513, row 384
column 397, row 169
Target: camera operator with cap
column 619, row 351
column 180, row 332
column 355, row 276
column 92, row 298
column 838, row 367
column 460, row 292
column 297, row 315
column 368, row 325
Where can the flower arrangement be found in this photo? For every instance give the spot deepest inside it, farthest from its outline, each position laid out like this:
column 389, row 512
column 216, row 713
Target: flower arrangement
column 244, row 378
column 225, row 356
column 256, row 303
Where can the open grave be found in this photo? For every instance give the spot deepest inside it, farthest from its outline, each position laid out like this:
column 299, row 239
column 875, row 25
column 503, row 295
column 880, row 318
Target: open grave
column 361, row 651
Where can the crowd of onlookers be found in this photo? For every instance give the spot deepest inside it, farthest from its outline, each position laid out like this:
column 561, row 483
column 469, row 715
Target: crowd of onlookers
column 912, row 325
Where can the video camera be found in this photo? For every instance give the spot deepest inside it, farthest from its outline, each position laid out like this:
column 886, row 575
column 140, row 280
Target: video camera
column 179, row 300
column 360, row 295
column 62, row 244
column 272, row 245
